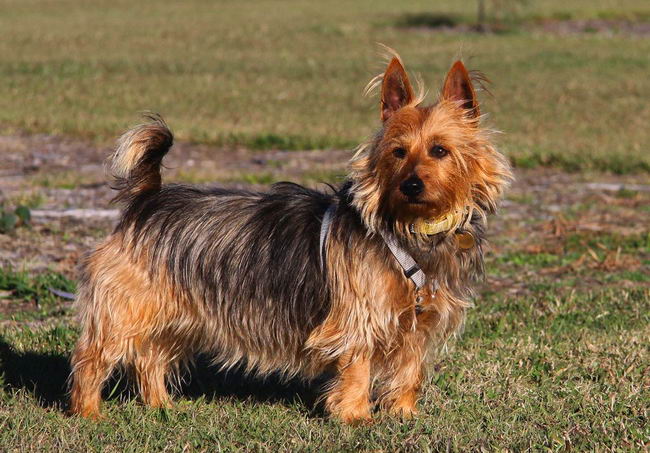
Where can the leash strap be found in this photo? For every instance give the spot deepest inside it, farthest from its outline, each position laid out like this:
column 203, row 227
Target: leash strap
column 325, row 231
column 406, row 261
column 411, row 269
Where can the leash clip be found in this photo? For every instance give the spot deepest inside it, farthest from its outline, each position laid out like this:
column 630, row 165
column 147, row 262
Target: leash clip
column 419, row 297
column 418, row 302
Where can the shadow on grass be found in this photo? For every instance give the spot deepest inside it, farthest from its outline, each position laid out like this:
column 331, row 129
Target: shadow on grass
column 45, row 376
column 204, row 380
column 440, row 22
column 427, row 20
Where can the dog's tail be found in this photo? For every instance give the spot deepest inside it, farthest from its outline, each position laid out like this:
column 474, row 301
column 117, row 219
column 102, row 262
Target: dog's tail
column 135, row 165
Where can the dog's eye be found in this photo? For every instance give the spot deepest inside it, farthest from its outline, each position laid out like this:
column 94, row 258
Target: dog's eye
column 438, row 152
column 400, row 153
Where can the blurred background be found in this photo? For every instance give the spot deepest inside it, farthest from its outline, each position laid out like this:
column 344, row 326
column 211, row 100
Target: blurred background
column 555, row 354
column 570, row 79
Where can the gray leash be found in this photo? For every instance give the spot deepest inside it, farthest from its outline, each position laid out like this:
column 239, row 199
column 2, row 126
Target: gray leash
column 409, row 266
column 406, row 261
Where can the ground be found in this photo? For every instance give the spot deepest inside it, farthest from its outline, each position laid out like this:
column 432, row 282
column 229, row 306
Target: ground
column 287, row 77
column 555, row 353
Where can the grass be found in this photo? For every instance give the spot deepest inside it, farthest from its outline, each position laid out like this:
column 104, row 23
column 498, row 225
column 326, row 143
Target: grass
column 22, row 291
column 553, row 357
column 65, row 180
column 33, row 199
column 558, row 364
column 290, row 75
column 518, row 366
column 256, row 178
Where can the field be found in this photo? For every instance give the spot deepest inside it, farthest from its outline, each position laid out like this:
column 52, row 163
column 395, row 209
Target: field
column 278, row 75
column 555, row 354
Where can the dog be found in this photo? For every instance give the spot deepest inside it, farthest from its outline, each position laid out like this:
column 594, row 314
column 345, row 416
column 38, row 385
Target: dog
column 361, row 280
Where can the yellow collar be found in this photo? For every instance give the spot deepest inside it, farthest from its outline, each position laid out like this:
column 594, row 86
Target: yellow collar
column 439, row 225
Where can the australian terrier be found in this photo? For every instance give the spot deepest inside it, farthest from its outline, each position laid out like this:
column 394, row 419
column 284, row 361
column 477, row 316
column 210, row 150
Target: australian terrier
column 361, row 281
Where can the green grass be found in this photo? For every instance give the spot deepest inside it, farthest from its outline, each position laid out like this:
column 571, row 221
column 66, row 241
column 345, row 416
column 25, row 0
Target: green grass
column 576, row 246
column 541, row 374
column 33, row 199
column 552, row 366
column 256, row 178
column 280, row 74
column 553, row 357
column 65, row 180
column 21, row 289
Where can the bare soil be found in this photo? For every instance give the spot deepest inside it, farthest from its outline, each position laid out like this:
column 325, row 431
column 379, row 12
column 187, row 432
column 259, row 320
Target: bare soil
column 542, row 208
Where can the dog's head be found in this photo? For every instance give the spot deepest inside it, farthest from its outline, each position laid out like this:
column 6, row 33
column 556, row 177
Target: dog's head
column 427, row 161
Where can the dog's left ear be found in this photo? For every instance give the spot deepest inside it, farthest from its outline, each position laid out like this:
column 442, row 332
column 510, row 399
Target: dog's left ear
column 458, row 87
column 396, row 90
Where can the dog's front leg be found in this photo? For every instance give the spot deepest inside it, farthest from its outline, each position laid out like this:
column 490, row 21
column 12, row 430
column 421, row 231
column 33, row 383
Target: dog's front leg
column 349, row 397
column 403, row 375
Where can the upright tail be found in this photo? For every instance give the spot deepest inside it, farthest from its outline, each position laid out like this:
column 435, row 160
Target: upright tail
column 135, row 165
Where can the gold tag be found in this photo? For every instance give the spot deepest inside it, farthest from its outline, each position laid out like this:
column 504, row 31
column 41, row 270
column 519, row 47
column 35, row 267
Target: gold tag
column 465, row 240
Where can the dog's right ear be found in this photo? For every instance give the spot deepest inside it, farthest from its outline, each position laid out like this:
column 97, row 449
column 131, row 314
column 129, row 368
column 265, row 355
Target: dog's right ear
column 458, row 87
column 396, row 91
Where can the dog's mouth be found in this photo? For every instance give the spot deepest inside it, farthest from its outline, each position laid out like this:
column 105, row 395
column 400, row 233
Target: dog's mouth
column 410, row 200
column 414, row 199
column 414, row 206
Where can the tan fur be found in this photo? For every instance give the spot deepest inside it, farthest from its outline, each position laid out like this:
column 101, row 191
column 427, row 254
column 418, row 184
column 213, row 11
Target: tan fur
column 349, row 397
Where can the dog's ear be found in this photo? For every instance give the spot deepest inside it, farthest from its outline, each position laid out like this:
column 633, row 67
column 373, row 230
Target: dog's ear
column 396, row 90
column 458, row 87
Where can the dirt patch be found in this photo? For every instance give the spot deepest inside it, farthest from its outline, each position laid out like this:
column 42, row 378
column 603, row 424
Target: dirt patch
column 51, row 173
column 442, row 23
column 543, row 211
column 600, row 26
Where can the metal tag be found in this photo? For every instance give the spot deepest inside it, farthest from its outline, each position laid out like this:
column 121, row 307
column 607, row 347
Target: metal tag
column 465, row 240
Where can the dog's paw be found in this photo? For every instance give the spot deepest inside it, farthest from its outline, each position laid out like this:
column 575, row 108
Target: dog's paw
column 405, row 412
column 353, row 414
column 355, row 418
column 404, row 407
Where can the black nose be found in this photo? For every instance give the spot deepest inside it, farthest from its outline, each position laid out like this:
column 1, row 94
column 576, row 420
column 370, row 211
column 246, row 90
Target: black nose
column 412, row 187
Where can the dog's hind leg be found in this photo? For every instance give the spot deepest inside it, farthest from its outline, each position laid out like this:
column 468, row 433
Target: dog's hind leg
column 152, row 365
column 93, row 361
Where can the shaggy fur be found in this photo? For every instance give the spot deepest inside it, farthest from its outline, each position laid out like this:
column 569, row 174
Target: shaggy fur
column 236, row 274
